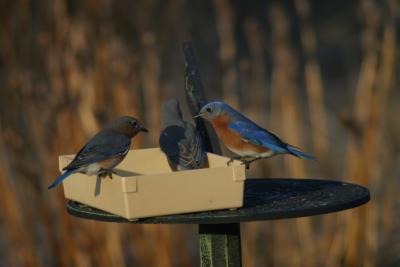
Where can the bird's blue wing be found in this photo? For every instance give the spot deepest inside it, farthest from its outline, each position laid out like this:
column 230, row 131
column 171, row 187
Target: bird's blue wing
column 254, row 134
column 101, row 147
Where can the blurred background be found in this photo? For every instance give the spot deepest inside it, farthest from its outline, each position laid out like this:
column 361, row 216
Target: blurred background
column 323, row 75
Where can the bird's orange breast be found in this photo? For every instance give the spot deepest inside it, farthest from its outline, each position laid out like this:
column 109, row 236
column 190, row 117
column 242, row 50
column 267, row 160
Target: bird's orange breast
column 232, row 139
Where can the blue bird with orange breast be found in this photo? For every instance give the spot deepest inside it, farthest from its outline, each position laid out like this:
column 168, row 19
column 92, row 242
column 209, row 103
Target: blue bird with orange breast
column 244, row 137
column 105, row 150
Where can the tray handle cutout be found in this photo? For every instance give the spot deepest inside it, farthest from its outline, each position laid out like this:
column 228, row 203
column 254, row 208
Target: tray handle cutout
column 238, row 173
column 129, row 184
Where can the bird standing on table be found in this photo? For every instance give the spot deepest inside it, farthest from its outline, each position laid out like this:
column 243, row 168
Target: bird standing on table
column 180, row 140
column 244, row 137
column 105, row 150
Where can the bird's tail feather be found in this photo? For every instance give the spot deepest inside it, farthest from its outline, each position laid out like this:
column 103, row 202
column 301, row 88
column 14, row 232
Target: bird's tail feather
column 60, row 179
column 296, row 152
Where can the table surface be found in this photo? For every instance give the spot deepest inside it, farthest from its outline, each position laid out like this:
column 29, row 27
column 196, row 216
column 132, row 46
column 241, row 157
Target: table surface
column 264, row 199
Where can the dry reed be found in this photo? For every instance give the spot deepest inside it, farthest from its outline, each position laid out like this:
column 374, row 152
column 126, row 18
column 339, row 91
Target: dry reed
column 227, row 51
column 69, row 67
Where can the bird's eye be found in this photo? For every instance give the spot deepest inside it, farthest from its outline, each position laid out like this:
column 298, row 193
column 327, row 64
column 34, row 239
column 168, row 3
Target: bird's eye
column 134, row 123
column 208, row 109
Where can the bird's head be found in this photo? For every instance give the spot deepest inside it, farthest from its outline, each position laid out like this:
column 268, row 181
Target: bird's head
column 127, row 125
column 212, row 110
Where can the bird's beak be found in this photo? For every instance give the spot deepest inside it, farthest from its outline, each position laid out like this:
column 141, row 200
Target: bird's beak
column 143, row 129
column 198, row 115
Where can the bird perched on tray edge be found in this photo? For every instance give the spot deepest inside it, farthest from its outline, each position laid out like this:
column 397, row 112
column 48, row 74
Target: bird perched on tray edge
column 244, row 137
column 105, row 150
column 180, row 140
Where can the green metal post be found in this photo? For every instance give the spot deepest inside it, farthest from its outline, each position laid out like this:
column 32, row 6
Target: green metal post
column 220, row 245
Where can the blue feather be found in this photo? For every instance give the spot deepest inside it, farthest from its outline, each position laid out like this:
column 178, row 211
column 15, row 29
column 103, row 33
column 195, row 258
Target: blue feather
column 258, row 136
column 254, row 134
column 294, row 151
column 61, row 178
column 102, row 146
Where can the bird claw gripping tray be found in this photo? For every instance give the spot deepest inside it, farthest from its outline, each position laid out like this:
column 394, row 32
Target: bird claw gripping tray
column 144, row 185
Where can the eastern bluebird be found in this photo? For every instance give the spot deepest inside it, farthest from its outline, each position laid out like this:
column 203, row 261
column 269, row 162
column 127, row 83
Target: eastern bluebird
column 243, row 137
column 105, row 150
column 180, row 140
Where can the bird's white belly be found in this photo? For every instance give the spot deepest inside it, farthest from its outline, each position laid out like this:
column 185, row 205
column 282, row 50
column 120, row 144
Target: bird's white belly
column 252, row 154
column 267, row 154
column 91, row 169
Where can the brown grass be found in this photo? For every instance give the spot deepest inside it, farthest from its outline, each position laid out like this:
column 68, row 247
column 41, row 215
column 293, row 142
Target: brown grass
column 68, row 68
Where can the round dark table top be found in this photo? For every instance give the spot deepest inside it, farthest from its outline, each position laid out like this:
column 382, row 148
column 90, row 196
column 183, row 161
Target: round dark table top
column 264, row 199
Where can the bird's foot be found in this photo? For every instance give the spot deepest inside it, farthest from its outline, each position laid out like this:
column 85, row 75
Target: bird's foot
column 249, row 161
column 246, row 163
column 110, row 173
column 233, row 159
column 105, row 173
